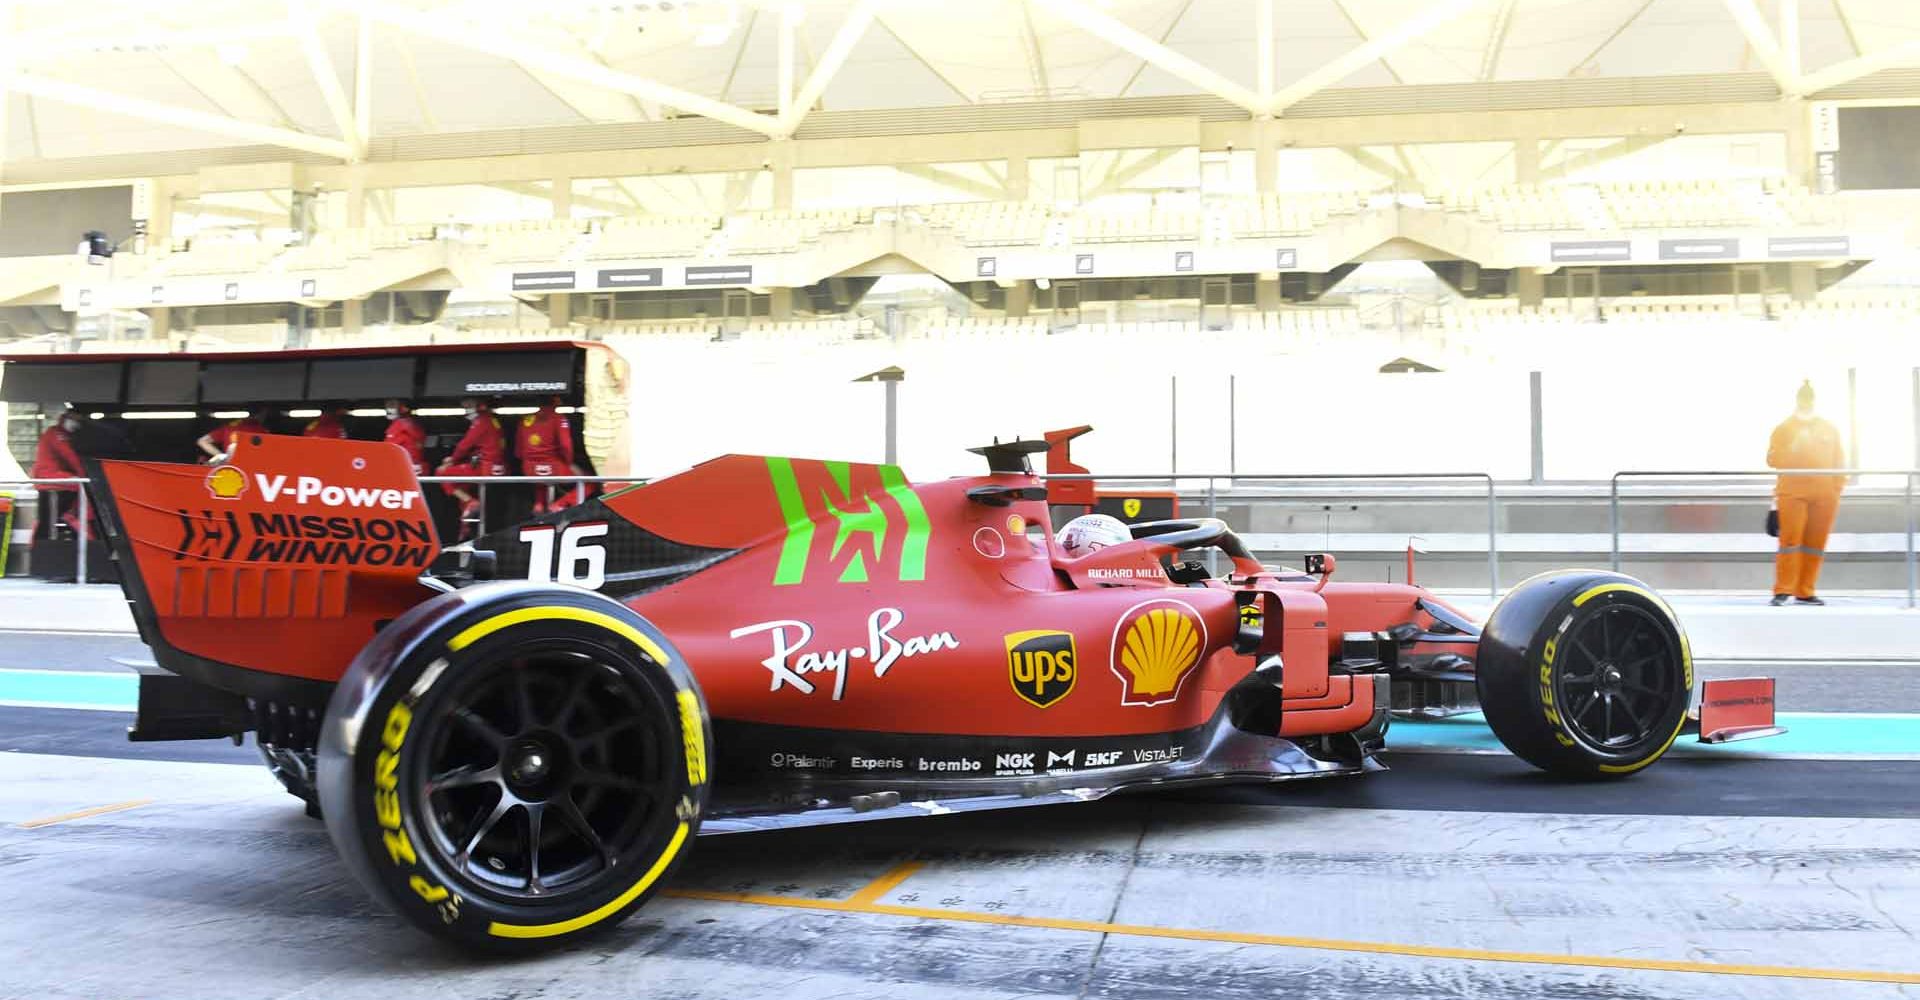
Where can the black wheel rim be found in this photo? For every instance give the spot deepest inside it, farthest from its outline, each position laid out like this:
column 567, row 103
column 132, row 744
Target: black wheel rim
column 1617, row 674
column 545, row 775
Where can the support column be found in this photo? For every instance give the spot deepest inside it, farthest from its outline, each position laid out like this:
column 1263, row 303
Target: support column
column 893, row 421
column 779, row 304
column 1529, row 286
column 1797, row 123
column 356, row 197
column 159, row 320
column 1018, row 174
column 1526, row 161
column 1539, row 464
column 160, row 214
column 1266, row 156
column 1266, row 292
column 560, row 305
column 1853, row 420
column 1803, row 281
column 780, row 161
column 353, row 312
column 1019, row 298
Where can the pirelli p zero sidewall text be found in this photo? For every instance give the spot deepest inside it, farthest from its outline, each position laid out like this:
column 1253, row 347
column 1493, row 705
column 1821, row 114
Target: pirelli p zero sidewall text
column 1585, row 673
column 513, row 766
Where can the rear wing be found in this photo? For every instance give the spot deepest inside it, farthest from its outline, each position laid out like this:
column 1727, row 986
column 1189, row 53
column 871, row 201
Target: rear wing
column 265, row 576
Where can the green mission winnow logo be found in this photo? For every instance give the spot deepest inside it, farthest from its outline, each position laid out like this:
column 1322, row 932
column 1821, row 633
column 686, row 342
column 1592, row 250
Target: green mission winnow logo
column 879, row 525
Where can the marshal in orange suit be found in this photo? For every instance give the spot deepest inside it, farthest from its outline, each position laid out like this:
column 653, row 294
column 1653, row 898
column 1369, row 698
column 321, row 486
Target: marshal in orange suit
column 1807, row 504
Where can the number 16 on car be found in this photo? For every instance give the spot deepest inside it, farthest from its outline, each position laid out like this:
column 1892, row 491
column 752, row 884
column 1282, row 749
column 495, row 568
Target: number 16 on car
column 580, row 562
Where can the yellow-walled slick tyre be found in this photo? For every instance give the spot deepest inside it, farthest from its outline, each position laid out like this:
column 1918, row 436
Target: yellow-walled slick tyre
column 512, row 766
column 1585, row 673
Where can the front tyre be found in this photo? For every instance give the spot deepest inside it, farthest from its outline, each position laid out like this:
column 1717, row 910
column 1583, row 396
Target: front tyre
column 513, row 766
column 1585, row 674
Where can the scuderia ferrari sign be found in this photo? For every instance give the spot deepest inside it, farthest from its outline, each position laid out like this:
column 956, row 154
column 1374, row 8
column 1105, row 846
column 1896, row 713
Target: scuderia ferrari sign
column 1041, row 666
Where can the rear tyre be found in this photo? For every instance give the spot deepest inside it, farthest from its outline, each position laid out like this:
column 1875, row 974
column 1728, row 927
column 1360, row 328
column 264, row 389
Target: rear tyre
column 511, row 767
column 1585, row 674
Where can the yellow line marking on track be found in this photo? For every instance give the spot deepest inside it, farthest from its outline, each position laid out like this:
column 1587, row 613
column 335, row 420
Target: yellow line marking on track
column 35, row 824
column 1308, row 943
column 872, row 891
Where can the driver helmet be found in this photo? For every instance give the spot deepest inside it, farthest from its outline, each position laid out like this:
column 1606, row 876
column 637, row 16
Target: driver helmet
column 1090, row 533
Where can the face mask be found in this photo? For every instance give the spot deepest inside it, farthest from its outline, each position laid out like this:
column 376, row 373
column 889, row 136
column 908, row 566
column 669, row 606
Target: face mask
column 70, row 425
column 393, row 413
column 472, row 412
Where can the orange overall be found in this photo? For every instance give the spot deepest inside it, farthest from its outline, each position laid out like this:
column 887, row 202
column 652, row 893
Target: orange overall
column 1807, row 504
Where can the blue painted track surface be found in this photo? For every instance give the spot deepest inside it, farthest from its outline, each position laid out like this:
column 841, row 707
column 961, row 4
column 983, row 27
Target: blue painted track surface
column 104, row 690
column 1886, row 736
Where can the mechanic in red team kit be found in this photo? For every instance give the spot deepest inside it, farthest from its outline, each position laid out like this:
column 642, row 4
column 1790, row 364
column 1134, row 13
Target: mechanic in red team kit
column 544, row 445
column 331, row 423
column 482, row 451
column 56, row 458
column 218, row 443
column 406, row 432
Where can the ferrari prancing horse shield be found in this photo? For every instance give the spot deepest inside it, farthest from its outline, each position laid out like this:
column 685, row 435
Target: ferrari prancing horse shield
column 1131, row 506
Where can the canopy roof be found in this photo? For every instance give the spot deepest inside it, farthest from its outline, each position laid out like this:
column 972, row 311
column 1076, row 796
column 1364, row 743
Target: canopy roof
column 330, row 80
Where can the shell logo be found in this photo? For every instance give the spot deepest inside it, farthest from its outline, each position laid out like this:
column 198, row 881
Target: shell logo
column 1156, row 645
column 226, row 483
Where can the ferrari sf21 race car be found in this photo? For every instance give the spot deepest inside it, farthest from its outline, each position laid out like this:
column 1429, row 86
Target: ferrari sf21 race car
column 513, row 742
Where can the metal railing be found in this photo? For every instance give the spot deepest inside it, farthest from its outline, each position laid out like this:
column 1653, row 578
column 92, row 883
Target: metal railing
column 80, row 543
column 1243, row 487
column 480, row 527
column 1214, row 479
column 1759, row 477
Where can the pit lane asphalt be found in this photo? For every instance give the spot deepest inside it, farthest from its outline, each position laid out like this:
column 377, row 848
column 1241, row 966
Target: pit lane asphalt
column 202, row 879
column 1424, row 781
column 151, row 878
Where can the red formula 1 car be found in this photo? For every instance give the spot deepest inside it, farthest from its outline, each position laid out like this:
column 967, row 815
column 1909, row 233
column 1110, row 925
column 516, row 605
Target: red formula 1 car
column 768, row 642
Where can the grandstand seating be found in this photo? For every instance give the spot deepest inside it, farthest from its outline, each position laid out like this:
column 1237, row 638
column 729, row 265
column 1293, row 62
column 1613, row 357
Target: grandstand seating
column 989, row 224
column 640, row 237
column 986, row 224
column 1554, row 207
column 1462, row 335
column 1696, row 204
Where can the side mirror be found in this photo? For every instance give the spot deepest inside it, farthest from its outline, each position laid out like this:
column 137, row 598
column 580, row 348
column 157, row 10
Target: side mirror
column 1321, row 564
column 1004, row 496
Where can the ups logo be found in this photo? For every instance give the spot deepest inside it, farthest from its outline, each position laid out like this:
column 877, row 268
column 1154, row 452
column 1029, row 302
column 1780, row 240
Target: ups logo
column 1041, row 666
